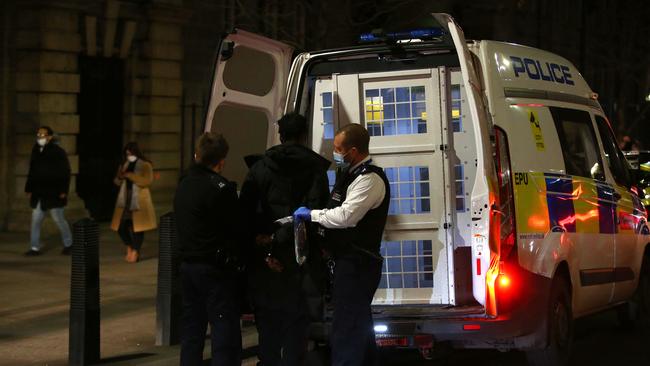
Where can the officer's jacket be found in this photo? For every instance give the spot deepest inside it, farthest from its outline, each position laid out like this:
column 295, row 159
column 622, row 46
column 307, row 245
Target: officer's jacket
column 207, row 215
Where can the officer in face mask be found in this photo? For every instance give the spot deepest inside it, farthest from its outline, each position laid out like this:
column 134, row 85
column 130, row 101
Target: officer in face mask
column 353, row 225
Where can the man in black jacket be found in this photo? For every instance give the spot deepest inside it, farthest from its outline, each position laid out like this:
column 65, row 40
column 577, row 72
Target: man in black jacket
column 207, row 219
column 286, row 177
column 47, row 187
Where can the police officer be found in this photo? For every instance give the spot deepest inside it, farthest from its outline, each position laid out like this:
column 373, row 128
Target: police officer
column 284, row 178
column 207, row 216
column 354, row 222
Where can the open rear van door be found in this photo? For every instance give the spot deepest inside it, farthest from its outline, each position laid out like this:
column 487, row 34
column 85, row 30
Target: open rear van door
column 480, row 195
column 247, row 96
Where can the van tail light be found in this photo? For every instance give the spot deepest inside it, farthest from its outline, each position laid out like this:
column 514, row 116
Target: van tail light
column 503, row 235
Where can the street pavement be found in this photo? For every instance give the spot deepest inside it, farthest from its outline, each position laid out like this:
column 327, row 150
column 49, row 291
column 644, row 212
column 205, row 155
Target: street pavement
column 34, row 306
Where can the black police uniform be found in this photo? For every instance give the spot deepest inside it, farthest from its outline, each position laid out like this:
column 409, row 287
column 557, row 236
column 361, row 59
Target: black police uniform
column 357, row 273
column 207, row 220
column 286, row 177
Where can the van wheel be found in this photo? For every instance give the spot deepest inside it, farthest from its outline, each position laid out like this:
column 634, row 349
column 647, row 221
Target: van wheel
column 642, row 297
column 636, row 313
column 560, row 328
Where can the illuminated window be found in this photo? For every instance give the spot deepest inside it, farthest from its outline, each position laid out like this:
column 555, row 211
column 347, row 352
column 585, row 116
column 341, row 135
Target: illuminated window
column 456, row 113
column 459, row 179
column 328, row 117
column 407, row 264
column 396, row 111
column 409, row 190
column 331, row 179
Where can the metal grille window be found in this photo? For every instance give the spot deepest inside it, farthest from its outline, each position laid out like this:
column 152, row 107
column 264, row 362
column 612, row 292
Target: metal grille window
column 456, row 114
column 409, row 190
column 328, row 118
column 331, row 179
column 407, row 264
column 459, row 179
column 396, row 111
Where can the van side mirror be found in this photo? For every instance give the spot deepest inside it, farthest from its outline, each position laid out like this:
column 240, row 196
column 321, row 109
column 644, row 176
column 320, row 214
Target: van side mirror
column 597, row 172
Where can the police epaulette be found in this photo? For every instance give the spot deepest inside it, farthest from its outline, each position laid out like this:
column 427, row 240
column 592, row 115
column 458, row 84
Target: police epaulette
column 217, row 182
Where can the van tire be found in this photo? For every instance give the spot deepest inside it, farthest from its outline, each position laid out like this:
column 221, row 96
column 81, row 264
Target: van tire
column 560, row 328
column 636, row 313
column 642, row 296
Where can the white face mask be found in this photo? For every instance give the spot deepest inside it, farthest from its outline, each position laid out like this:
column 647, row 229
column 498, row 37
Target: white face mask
column 131, row 158
column 41, row 141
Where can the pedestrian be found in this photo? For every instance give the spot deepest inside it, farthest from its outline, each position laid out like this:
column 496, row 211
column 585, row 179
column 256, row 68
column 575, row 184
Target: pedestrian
column 48, row 182
column 134, row 211
column 207, row 220
column 286, row 177
column 353, row 225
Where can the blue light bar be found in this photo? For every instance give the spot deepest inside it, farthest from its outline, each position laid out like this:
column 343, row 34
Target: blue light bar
column 422, row 33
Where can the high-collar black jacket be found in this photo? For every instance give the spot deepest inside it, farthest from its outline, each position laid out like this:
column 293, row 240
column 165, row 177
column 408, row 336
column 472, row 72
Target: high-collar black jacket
column 48, row 177
column 286, row 177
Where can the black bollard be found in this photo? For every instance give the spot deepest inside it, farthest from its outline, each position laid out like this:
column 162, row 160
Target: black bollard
column 168, row 299
column 84, row 294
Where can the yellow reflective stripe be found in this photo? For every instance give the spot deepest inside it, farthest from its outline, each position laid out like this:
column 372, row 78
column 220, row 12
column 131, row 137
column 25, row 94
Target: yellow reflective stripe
column 585, row 205
column 530, row 203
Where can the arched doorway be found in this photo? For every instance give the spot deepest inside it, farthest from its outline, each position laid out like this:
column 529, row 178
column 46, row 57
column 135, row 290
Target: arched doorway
column 99, row 143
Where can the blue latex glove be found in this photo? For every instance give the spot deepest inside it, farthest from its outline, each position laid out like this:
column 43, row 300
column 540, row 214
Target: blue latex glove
column 302, row 214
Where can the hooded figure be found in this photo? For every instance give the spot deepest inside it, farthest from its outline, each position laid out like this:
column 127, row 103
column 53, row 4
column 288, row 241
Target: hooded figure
column 284, row 178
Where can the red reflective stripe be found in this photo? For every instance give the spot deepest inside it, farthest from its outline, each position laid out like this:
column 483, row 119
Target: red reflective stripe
column 478, row 266
column 471, row 327
column 392, row 342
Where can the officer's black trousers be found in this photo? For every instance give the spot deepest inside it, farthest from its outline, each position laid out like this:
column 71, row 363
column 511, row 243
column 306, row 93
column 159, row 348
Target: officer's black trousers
column 282, row 336
column 353, row 337
column 208, row 297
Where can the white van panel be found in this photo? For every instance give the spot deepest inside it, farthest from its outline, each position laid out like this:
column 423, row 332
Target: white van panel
column 484, row 166
column 526, row 155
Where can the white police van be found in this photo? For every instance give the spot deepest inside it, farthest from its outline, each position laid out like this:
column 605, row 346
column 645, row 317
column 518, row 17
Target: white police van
column 512, row 210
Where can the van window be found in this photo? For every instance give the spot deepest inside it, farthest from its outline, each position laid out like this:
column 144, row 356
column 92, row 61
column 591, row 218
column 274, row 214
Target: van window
column 615, row 158
column 579, row 149
column 456, row 113
column 409, row 190
column 249, row 64
column 396, row 110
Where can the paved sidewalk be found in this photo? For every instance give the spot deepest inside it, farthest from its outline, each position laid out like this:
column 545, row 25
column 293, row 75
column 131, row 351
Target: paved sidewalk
column 34, row 305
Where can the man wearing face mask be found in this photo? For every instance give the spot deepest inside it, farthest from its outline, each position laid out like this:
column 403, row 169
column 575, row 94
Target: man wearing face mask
column 207, row 221
column 47, row 187
column 353, row 225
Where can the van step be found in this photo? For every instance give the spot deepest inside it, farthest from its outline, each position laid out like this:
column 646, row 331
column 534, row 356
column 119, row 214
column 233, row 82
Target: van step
column 426, row 311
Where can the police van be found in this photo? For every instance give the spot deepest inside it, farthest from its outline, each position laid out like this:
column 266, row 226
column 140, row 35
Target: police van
column 512, row 210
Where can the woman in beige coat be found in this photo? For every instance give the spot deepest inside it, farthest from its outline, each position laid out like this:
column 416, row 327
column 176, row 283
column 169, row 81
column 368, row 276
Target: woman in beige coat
column 134, row 212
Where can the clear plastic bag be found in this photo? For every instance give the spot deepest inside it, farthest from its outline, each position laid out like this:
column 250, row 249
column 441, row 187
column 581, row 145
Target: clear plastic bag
column 300, row 241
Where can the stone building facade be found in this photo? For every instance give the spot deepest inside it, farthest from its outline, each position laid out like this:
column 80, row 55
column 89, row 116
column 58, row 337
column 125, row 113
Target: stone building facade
column 49, row 49
column 104, row 72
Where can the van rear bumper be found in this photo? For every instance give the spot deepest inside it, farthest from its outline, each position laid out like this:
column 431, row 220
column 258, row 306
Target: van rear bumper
column 523, row 327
